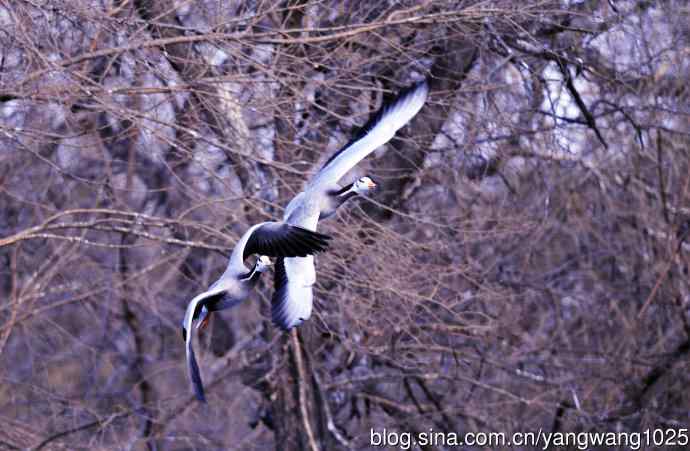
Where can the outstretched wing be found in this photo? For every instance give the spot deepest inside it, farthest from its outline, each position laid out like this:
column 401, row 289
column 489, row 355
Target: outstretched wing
column 378, row 131
column 294, row 276
column 193, row 311
column 292, row 299
column 278, row 239
column 194, row 373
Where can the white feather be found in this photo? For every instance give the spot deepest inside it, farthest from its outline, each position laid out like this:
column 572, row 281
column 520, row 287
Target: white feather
column 395, row 117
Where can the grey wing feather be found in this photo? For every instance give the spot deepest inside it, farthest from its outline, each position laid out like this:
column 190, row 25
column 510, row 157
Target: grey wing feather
column 376, row 133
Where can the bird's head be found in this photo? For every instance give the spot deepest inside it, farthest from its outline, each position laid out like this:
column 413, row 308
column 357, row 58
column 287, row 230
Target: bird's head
column 262, row 263
column 364, row 185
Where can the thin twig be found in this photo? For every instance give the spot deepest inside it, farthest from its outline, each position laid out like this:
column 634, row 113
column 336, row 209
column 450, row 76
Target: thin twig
column 301, row 381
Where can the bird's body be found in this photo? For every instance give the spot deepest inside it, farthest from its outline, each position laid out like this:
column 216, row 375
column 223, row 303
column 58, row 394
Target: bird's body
column 232, row 290
column 295, row 276
column 295, row 240
column 312, row 205
column 277, row 239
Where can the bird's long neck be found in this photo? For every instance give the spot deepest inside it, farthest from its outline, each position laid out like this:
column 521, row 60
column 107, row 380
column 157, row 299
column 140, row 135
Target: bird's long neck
column 252, row 276
column 345, row 193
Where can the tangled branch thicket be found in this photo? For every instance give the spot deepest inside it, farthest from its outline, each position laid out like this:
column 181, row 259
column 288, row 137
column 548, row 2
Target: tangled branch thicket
column 524, row 265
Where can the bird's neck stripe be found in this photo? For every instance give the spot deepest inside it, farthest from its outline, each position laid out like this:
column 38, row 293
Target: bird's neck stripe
column 345, row 190
column 250, row 275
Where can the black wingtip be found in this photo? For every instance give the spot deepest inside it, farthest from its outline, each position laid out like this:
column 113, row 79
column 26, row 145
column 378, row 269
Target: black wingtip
column 402, row 97
column 280, row 280
column 277, row 300
column 280, row 302
column 199, row 391
column 314, row 234
column 195, row 376
column 285, row 240
column 311, row 241
column 280, row 321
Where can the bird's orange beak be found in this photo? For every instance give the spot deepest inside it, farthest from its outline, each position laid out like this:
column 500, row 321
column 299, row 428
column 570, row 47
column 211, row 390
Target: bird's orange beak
column 371, row 184
column 203, row 324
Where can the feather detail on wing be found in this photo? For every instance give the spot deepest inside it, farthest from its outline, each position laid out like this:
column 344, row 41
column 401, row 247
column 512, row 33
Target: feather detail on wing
column 292, row 300
column 378, row 131
column 194, row 373
column 278, row 239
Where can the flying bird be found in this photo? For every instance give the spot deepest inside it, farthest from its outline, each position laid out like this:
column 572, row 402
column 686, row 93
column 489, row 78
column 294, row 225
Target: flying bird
column 294, row 276
column 274, row 239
